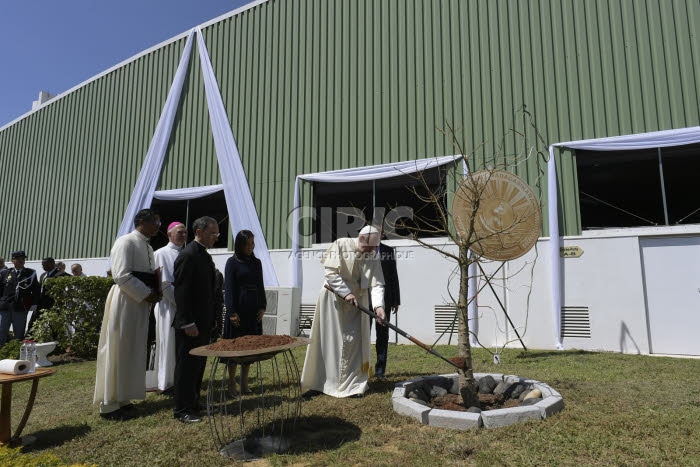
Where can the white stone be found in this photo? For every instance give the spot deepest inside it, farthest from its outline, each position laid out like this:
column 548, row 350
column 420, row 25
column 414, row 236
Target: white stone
column 454, row 419
column 534, row 394
column 504, row 417
column 404, row 406
column 550, row 405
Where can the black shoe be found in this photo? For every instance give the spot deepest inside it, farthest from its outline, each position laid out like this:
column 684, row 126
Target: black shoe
column 311, row 393
column 357, row 396
column 190, row 418
column 118, row 415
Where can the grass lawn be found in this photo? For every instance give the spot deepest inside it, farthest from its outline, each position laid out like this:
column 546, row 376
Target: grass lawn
column 619, row 410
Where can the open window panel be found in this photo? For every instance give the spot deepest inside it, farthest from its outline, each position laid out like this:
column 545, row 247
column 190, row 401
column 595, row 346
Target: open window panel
column 186, row 211
column 399, row 203
column 639, row 188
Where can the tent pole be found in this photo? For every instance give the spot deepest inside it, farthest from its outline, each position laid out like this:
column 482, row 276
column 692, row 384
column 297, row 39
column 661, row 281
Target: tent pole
column 663, row 186
column 187, row 215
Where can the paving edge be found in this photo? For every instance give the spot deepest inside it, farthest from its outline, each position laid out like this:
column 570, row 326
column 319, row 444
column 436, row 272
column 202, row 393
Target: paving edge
column 552, row 403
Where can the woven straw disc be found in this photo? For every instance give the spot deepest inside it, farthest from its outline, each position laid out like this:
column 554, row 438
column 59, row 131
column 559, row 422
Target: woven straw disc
column 508, row 218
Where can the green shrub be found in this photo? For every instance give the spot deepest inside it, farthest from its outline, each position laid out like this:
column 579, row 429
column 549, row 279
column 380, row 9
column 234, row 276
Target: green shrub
column 10, row 350
column 76, row 316
column 14, row 458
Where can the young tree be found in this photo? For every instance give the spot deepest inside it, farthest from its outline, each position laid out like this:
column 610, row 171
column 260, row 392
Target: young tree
column 481, row 225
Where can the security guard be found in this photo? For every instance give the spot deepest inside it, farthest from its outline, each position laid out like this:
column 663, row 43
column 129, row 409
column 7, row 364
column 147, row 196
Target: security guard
column 19, row 290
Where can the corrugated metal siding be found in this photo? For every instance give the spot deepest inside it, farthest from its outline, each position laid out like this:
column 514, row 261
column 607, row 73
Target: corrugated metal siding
column 81, row 155
column 314, row 85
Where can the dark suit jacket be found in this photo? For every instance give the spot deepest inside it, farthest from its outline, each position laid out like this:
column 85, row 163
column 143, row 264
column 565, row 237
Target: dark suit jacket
column 392, row 294
column 44, row 300
column 10, row 297
column 195, row 282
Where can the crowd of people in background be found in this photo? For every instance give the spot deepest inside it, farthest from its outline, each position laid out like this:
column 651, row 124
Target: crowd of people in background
column 23, row 295
column 192, row 304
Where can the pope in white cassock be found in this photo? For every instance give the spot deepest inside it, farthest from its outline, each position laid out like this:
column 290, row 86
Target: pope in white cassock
column 165, row 309
column 121, row 352
column 338, row 356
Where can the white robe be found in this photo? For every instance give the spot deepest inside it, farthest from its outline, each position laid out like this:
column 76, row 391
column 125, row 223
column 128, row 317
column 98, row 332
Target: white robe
column 165, row 314
column 121, row 352
column 337, row 359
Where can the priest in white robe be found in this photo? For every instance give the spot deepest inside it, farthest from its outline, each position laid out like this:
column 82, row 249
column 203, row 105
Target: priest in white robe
column 165, row 309
column 121, row 352
column 337, row 359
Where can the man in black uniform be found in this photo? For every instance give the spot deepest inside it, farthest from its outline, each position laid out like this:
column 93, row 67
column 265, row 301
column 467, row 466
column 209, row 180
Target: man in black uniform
column 19, row 290
column 392, row 300
column 195, row 279
column 48, row 264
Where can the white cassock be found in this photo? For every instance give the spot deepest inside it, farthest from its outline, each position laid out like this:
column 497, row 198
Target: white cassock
column 165, row 314
column 338, row 356
column 121, row 352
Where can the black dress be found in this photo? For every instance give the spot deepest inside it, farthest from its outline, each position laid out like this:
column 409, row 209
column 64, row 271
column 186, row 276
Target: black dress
column 245, row 295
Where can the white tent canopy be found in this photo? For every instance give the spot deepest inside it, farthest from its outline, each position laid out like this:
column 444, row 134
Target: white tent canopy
column 657, row 139
column 239, row 201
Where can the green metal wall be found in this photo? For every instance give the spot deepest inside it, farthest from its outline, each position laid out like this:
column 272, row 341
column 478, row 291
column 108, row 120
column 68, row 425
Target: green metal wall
column 314, row 85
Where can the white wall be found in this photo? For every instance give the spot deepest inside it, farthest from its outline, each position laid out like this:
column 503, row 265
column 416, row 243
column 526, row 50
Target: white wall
column 607, row 278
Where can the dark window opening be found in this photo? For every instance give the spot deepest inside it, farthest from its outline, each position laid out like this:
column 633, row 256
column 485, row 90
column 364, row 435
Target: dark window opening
column 341, row 209
column 627, row 188
column 213, row 205
column 681, row 164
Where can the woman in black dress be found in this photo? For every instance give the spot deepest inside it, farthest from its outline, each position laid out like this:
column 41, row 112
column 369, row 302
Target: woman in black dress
column 245, row 299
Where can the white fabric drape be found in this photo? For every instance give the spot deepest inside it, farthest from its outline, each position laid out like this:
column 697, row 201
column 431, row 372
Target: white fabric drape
column 472, row 307
column 239, row 201
column 183, row 194
column 146, row 183
column 656, row 139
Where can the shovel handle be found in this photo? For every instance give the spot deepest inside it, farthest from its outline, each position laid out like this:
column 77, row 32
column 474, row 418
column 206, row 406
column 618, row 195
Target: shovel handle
column 391, row 326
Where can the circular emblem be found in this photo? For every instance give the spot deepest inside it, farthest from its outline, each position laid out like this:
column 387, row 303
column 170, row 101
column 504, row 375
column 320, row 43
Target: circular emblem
column 505, row 211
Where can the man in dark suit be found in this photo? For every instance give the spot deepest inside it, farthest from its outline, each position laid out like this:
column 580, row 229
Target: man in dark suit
column 392, row 300
column 19, row 290
column 48, row 264
column 195, row 279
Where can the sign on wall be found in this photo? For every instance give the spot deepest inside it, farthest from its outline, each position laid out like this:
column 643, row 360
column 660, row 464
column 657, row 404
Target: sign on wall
column 570, row 251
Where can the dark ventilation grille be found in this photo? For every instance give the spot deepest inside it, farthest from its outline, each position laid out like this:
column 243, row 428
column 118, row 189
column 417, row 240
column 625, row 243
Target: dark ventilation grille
column 575, row 321
column 306, row 318
column 444, row 315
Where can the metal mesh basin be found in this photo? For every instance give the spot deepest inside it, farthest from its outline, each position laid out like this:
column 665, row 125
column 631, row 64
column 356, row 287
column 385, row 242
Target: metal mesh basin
column 249, row 426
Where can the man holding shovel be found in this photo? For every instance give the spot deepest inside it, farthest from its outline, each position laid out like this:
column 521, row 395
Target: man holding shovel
column 338, row 357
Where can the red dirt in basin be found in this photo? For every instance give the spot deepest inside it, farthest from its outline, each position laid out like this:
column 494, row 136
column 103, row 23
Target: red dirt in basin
column 250, row 343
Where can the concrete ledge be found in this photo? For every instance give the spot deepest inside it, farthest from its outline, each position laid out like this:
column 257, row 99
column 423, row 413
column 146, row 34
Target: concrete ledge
column 404, row 406
column 550, row 405
column 504, row 417
column 454, row 420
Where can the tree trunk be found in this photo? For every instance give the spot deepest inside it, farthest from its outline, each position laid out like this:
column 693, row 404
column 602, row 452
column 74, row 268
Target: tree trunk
column 468, row 388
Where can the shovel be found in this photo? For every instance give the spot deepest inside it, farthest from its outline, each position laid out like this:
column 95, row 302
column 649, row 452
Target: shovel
column 403, row 333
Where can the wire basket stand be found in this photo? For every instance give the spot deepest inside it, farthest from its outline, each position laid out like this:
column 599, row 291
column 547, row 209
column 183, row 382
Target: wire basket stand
column 248, row 426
